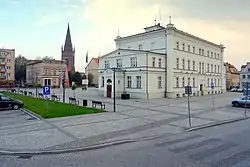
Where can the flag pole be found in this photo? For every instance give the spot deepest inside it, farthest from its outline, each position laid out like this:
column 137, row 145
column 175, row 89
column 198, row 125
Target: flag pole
column 87, row 78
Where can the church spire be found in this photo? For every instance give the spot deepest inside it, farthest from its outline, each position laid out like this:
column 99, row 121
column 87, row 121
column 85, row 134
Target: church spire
column 68, row 43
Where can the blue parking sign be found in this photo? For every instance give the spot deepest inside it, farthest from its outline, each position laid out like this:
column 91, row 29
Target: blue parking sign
column 46, row 90
column 212, row 85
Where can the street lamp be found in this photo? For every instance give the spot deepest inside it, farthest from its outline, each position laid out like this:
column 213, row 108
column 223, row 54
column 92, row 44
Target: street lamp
column 63, row 80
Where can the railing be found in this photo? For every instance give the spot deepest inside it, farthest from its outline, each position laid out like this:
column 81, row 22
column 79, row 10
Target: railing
column 2, row 70
column 2, row 77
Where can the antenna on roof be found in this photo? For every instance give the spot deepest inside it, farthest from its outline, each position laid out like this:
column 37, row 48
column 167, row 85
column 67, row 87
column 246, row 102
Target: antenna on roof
column 160, row 14
column 170, row 19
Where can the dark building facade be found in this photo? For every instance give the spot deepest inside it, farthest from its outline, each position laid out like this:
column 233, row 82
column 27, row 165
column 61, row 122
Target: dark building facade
column 68, row 52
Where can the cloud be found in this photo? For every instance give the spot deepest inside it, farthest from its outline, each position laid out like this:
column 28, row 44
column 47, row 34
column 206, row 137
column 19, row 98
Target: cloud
column 224, row 21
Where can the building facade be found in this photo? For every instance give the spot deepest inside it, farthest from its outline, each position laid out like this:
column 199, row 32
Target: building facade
column 245, row 75
column 160, row 62
column 7, row 66
column 232, row 76
column 68, row 51
column 45, row 72
column 93, row 68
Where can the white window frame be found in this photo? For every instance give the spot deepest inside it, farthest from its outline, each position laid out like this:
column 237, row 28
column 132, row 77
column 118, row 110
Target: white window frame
column 133, row 62
column 153, row 61
column 138, row 82
column 106, row 64
column 159, row 82
column 188, row 64
column 183, row 63
column 194, row 65
column 129, row 82
column 159, row 62
column 177, row 82
column 183, row 82
column 177, row 63
column 119, row 63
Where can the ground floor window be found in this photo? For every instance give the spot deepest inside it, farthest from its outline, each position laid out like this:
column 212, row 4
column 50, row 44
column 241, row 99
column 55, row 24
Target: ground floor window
column 177, row 82
column 129, row 81
column 193, row 82
column 159, row 82
column 102, row 82
column 138, row 82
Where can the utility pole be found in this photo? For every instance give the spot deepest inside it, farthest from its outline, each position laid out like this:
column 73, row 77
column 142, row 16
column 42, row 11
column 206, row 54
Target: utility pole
column 36, row 84
column 63, row 85
column 114, row 70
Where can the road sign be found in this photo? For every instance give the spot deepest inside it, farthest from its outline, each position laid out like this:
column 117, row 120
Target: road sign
column 46, row 90
column 212, row 85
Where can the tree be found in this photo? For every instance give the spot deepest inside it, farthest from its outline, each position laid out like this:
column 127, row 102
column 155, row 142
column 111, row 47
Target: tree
column 20, row 68
column 77, row 78
column 48, row 58
column 90, row 78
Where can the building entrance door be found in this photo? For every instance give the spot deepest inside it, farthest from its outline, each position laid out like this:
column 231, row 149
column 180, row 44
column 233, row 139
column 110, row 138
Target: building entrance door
column 109, row 88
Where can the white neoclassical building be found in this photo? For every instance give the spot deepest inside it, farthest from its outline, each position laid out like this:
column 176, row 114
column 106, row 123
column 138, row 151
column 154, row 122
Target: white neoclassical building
column 160, row 62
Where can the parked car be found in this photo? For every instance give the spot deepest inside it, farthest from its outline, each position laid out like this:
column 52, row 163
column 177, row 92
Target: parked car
column 8, row 102
column 233, row 90
column 240, row 102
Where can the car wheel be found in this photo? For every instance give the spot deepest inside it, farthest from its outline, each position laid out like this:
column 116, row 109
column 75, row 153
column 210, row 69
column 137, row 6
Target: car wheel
column 236, row 104
column 15, row 106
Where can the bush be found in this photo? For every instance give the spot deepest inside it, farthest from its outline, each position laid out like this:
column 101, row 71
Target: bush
column 73, row 87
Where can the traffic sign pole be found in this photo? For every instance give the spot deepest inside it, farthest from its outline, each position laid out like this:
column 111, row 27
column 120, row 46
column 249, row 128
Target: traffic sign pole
column 212, row 87
column 46, row 93
column 246, row 96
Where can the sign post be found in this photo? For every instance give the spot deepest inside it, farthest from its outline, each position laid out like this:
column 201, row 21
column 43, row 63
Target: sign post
column 212, row 87
column 46, row 93
column 188, row 91
column 246, row 96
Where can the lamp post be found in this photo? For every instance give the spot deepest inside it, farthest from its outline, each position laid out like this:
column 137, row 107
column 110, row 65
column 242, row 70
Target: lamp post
column 36, row 83
column 63, row 80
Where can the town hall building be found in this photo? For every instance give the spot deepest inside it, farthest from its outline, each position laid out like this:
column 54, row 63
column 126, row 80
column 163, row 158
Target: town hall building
column 160, row 62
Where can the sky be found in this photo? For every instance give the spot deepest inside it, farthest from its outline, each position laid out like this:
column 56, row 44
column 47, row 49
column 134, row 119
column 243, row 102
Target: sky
column 37, row 28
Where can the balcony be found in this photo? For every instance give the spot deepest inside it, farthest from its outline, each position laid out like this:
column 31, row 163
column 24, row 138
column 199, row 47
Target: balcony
column 2, row 63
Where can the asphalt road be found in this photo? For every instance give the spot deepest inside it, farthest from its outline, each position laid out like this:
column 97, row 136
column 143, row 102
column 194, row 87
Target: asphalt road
column 11, row 117
column 221, row 146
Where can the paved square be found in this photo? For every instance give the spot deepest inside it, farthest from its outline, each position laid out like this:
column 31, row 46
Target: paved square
column 194, row 122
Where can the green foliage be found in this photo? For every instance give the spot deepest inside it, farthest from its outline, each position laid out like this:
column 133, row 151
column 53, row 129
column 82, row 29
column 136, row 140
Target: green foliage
column 56, row 109
column 48, row 58
column 77, row 78
column 20, row 68
column 73, row 87
column 38, row 85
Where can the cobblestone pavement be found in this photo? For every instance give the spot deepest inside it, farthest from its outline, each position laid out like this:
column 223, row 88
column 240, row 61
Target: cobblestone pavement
column 133, row 119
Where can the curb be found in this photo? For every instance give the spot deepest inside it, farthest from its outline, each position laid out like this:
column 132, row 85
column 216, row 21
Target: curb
column 94, row 147
column 216, row 124
column 86, row 148
column 32, row 114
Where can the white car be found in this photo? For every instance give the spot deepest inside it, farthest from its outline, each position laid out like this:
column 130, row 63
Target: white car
column 240, row 102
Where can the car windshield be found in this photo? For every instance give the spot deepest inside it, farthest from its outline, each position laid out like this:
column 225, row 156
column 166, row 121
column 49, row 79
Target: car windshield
column 6, row 98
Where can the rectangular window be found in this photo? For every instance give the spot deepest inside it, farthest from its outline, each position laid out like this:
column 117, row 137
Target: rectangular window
column 208, row 82
column 183, row 82
column 218, row 56
column 159, row 82
column 199, row 67
column 183, row 63
column 102, row 82
column 188, row 64
column 212, row 68
column 193, row 82
column 193, row 49
column 248, row 76
column 153, row 62
column 118, row 62
column 177, row 82
column 215, row 68
column 199, row 51
column 202, row 52
column 215, row 83
column 208, row 67
column 188, row 81
column 177, row 63
column 106, row 64
column 183, row 46
column 243, row 76
column 133, row 61
column 194, row 65
column 203, row 68
column 188, row 48
column 218, row 69
column 208, row 53
column 159, row 63
column 212, row 54
column 177, row 45
column 129, row 82
column 138, row 82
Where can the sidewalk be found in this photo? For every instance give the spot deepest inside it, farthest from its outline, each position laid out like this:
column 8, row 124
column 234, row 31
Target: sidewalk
column 138, row 120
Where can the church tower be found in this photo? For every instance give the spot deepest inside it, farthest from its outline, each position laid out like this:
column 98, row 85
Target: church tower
column 68, row 52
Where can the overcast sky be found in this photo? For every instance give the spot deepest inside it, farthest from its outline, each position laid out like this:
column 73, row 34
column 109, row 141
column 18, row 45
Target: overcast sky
column 38, row 28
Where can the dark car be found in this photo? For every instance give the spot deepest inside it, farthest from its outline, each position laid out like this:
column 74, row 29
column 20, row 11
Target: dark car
column 7, row 102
